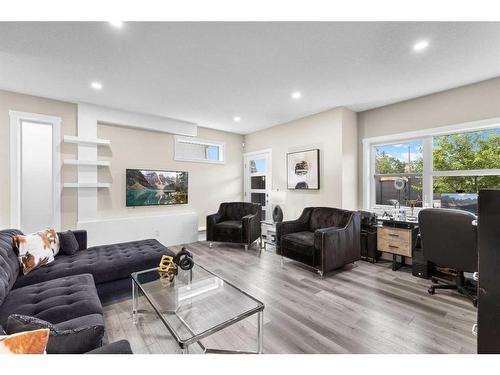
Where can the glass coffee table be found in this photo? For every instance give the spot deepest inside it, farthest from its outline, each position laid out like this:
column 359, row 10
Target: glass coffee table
column 195, row 305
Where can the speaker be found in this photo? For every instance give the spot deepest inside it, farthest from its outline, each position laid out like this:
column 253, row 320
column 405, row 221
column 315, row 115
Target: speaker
column 420, row 266
column 277, row 214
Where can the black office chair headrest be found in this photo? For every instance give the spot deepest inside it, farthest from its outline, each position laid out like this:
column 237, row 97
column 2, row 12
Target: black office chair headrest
column 449, row 238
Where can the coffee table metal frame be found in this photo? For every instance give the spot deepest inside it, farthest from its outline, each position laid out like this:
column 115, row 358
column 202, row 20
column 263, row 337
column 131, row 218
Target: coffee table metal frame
column 195, row 339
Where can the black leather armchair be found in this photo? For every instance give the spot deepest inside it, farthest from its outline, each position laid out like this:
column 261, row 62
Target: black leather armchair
column 322, row 237
column 237, row 222
column 449, row 239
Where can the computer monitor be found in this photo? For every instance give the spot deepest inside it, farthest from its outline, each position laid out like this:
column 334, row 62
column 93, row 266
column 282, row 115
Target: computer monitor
column 460, row 201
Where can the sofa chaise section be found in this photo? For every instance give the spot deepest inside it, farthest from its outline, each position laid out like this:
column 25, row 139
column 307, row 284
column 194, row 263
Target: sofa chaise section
column 106, row 263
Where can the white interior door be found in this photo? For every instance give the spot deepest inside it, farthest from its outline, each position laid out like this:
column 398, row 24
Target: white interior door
column 258, row 180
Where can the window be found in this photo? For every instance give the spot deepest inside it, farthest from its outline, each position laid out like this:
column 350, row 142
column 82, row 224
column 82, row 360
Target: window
column 440, row 169
column 199, row 150
column 464, row 163
column 398, row 174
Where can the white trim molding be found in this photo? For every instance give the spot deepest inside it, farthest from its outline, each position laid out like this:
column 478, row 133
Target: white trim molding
column 425, row 135
column 16, row 118
column 105, row 115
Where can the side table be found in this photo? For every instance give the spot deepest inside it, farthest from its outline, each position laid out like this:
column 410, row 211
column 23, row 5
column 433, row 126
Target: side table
column 269, row 235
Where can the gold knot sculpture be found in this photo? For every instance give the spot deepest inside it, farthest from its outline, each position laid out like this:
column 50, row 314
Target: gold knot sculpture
column 167, row 269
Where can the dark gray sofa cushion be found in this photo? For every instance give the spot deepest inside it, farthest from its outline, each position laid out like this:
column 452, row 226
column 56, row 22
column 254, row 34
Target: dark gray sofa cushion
column 299, row 242
column 229, row 230
column 68, row 243
column 117, row 347
column 75, row 336
column 106, row 263
column 9, row 263
column 54, row 301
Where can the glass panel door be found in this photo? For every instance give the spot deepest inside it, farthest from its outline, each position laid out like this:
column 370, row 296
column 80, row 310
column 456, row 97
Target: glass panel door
column 37, row 210
column 258, row 180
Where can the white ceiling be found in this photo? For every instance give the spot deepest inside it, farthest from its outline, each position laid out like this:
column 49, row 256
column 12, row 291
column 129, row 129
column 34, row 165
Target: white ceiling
column 208, row 73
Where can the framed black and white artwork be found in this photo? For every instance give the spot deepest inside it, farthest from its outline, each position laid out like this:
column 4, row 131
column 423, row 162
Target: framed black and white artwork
column 303, row 170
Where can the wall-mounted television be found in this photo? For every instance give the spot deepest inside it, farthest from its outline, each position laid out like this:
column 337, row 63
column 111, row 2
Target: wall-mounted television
column 460, row 201
column 151, row 187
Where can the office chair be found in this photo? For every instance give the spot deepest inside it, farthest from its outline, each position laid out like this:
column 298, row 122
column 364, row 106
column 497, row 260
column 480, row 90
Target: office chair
column 449, row 239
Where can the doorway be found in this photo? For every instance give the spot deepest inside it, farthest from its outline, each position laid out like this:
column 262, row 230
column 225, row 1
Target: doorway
column 258, row 179
column 35, row 172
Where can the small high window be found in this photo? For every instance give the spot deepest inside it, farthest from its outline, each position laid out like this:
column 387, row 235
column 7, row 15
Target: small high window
column 199, row 150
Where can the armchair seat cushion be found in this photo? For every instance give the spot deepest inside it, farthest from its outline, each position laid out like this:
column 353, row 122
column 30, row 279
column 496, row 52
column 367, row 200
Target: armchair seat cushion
column 229, row 231
column 299, row 242
column 54, row 301
column 229, row 225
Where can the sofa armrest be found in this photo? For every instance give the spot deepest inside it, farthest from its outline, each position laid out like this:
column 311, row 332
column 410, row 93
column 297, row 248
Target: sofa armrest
column 339, row 246
column 117, row 347
column 81, row 238
column 251, row 227
column 211, row 221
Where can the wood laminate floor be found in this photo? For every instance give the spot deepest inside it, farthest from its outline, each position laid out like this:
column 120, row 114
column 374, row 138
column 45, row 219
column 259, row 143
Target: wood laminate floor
column 365, row 308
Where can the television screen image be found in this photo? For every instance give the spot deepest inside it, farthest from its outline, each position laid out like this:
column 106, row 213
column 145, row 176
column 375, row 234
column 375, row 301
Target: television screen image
column 460, row 201
column 147, row 187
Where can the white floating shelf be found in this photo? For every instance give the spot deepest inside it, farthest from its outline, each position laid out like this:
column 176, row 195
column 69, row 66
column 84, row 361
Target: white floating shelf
column 99, row 163
column 90, row 141
column 87, row 185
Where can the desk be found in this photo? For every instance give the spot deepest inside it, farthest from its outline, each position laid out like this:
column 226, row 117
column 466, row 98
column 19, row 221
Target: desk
column 397, row 238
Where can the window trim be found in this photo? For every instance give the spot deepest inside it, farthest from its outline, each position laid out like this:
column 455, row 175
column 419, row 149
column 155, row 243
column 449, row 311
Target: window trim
column 426, row 136
column 200, row 141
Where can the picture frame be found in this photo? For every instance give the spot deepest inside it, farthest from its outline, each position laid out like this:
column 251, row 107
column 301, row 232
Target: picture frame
column 303, row 170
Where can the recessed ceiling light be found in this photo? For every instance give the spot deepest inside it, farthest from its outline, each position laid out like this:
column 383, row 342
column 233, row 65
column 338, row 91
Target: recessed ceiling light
column 296, row 95
column 420, row 45
column 96, row 85
column 117, row 24
column 237, row 118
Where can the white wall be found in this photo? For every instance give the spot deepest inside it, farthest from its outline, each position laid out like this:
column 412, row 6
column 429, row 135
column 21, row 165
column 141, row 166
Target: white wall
column 350, row 145
column 209, row 183
column 333, row 132
column 170, row 229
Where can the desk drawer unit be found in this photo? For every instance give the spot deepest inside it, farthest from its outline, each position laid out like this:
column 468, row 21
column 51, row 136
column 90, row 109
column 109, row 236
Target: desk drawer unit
column 395, row 240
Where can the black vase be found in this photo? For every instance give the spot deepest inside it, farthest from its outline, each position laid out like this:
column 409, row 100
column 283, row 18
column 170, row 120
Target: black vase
column 277, row 214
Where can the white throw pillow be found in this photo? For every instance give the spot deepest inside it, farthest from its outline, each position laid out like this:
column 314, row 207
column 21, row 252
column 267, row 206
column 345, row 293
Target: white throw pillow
column 37, row 249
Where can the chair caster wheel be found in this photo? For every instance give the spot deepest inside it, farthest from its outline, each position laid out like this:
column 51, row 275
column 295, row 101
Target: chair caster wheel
column 474, row 302
column 434, row 281
column 431, row 290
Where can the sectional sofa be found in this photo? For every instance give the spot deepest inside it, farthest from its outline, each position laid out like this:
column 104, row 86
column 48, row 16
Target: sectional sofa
column 69, row 290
